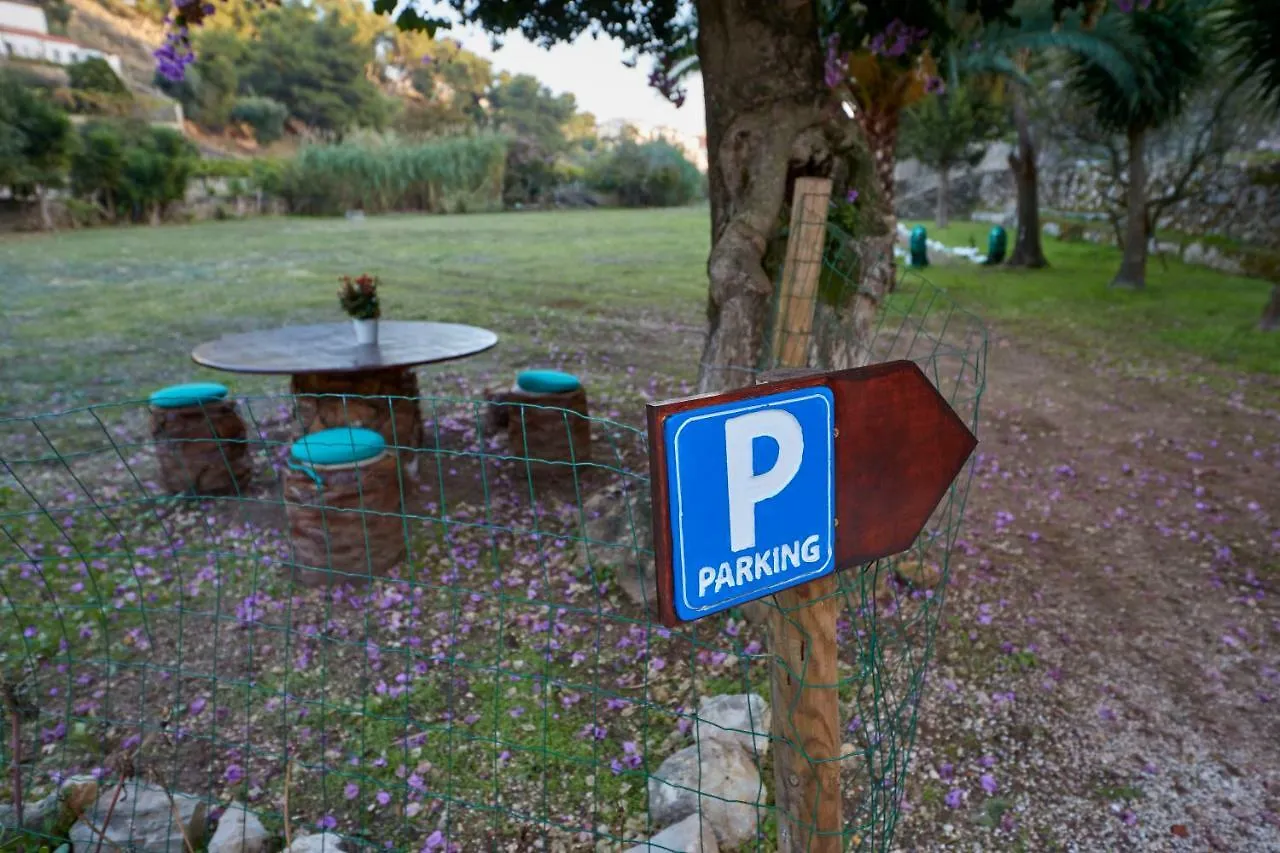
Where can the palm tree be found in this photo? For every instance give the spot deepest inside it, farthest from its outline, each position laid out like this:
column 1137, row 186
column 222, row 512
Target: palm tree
column 1009, row 52
column 1167, row 48
column 1252, row 31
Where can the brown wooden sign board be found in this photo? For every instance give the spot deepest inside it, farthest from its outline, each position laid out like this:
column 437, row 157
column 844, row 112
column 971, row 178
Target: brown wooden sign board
column 897, row 445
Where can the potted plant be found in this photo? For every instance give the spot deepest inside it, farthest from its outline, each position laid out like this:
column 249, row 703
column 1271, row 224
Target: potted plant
column 359, row 298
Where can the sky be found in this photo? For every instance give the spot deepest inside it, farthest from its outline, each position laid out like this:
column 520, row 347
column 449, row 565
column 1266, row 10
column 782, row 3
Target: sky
column 592, row 70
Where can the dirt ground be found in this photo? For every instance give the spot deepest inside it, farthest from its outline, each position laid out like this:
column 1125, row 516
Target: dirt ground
column 1108, row 676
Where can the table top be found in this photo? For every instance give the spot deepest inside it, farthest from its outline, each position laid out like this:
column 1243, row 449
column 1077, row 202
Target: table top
column 332, row 347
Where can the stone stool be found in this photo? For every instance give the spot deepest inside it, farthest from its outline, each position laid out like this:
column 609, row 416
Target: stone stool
column 547, row 418
column 200, row 440
column 345, row 508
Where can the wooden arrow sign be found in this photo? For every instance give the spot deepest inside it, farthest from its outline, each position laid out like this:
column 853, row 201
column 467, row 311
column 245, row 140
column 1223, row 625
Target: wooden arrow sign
column 760, row 489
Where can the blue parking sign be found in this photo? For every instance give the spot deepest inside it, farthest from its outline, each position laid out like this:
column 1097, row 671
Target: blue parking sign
column 751, row 487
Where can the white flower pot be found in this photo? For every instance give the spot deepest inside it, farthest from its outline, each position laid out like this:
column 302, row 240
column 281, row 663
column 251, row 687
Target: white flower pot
column 366, row 331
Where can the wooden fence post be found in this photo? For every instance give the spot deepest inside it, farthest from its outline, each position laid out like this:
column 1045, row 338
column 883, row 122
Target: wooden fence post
column 802, row 627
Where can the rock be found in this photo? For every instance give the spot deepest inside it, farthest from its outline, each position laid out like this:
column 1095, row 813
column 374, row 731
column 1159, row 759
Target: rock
column 323, row 842
column 55, row 813
column 691, row 835
column 619, row 536
column 142, row 820
column 239, row 831
column 1051, row 229
column 741, row 719
column 918, row 574
column 716, row 779
column 34, row 814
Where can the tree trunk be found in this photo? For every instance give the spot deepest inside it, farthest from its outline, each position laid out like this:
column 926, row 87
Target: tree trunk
column 46, row 216
column 770, row 119
column 1027, row 250
column 1133, row 267
column 879, row 266
column 940, row 217
column 1271, row 314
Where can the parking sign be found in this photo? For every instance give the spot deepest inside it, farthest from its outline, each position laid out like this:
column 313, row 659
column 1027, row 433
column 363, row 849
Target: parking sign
column 763, row 488
column 752, row 498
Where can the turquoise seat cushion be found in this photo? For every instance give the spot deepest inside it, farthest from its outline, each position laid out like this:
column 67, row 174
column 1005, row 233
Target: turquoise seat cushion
column 547, row 382
column 339, row 446
column 189, row 394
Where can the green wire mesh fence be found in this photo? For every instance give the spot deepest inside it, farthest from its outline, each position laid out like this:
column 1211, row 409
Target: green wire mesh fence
column 445, row 647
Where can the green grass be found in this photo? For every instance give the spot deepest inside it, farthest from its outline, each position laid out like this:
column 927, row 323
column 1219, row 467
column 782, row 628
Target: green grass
column 1185, row 310
column 109, row 314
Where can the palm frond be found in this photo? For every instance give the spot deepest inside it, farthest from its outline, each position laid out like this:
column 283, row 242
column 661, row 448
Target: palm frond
column 1252, row 29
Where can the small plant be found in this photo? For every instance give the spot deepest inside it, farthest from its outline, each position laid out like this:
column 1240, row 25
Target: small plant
column 359, row 297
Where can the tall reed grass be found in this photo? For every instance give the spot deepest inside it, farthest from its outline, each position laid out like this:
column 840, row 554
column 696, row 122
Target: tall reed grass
column 380, row 174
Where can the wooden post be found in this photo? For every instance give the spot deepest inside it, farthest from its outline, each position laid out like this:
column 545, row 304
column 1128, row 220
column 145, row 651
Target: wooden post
column 802, row 267
column 802, row 627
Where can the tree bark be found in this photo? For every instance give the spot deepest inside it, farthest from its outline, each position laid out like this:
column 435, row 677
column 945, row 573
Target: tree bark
column 1271, row 314
column 46, row 216
column 1027, row 249
column 941, row 215
column 770, row 119
column 1133, row 266
column 879, row 265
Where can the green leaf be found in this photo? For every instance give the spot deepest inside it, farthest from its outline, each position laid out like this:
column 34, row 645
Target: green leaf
column 384, row 7
column 411, row 20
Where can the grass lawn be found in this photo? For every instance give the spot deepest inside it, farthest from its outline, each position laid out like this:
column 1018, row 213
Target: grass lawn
column 107, row 315
column 1185, row 310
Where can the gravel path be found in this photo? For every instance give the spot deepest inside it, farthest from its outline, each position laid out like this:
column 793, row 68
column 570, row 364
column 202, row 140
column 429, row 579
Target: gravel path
column 1109, row 675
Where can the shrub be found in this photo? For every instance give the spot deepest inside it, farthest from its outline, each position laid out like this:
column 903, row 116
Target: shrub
column 265, row 115
column 646, row 174
column 95, row 75
column 132, row 168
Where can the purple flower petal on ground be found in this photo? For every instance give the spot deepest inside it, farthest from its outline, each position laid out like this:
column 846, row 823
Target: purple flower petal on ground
column 954, row 798
column 351, row 791
column 382, row 798
column 233, row 774
column 989, row 783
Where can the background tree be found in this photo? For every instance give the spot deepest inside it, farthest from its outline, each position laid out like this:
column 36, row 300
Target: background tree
column 951, row 130
column 1025, row 54
column 535, row 120
column 35, row 144
column 313, row 65
column 1218, row 121
column 1167, row 46
column 132, row 168
column 1252, row 31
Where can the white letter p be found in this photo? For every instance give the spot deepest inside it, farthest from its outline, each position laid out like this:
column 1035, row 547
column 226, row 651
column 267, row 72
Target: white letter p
column 746, row 489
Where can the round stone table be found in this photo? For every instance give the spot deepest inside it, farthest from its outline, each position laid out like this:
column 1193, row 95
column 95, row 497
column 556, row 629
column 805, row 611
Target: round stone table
column 337, row 382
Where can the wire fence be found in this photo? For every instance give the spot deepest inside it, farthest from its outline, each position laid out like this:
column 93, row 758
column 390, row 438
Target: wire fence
column 448, row 646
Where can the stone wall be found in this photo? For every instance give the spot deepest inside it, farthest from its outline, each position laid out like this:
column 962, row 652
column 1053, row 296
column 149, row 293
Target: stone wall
column 1240, row 202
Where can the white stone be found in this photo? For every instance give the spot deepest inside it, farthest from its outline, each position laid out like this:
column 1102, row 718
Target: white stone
column 716, row 779
column 1051, row 229
column 321, row 842
column 741, row 718
column 239, row 831
column 691, row 835
column 142, row 821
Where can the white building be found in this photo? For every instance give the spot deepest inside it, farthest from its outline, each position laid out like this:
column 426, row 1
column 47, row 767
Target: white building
column 24, row 35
